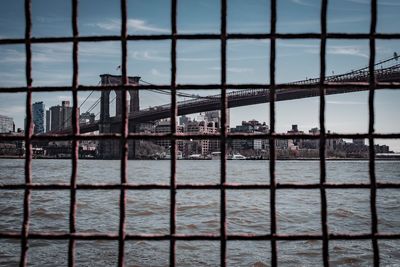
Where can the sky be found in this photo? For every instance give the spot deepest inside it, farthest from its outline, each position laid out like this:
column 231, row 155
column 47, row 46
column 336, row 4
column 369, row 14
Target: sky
column 198, row 62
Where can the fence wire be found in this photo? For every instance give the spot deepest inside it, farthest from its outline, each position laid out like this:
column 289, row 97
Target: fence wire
column 25, row 235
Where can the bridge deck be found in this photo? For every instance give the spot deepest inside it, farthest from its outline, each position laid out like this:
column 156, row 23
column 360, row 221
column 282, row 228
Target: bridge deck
column 253, row 96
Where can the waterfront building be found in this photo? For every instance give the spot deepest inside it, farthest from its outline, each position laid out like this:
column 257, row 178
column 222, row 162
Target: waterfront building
column 53, row 119
column 257, row 126
column 295, row 130
column 6, row 124
column 38, row 117
column 281, row 143
column 146, row 127
column 209, row 116
column 183, row 120
column 334, row 144
column 87, row 117
column 12, row 148
column 252, row 126
column 382, row 149
column 201, row 127
column 215, row 116
column 196, row 146
column 164, row 126
column 311, row 143
column 257, row 143
column 359, row 142
column 213, row 144
column 59, row 117
column 48, row 121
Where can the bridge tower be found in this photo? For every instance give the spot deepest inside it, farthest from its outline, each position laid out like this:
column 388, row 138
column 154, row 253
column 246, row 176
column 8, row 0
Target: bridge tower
column 111, row 149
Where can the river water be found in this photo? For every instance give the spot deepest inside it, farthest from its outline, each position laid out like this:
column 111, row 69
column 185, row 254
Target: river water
column 298, row 211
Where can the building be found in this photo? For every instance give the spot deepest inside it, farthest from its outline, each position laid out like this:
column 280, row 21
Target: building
column 295, row 130
column 382, row 149
column 48, row 121
column 204, row 146
column 183, row 120
column 38, row 117
column 59, row 117
column 252, row 126
column 164, row 126
column 6, row 124
column 281, row 143
column 87, row 117
column 215, row 116
column 312, row 143
column 240, row 144
column 359, row 142
column 146, row 127
column 53, row 119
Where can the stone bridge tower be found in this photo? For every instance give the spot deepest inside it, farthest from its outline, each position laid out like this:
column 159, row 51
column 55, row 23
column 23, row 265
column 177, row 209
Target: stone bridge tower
column 111, row 149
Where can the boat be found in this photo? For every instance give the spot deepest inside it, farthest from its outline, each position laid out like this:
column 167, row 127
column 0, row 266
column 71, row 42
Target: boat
column 238, row 157
column 195, row 156
column 216, row 155
column 178, row 155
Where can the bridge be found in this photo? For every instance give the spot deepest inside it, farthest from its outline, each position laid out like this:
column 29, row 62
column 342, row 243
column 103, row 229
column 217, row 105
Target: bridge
column 236, row 98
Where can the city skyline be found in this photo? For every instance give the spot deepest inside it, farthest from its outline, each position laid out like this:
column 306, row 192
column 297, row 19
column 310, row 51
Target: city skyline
column 59, row 118
column 198, row 62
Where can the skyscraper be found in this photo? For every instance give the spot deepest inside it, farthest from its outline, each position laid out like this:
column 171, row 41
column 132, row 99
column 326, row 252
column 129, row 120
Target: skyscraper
column 66, row 114
column 6, row 124
column 38, row 117
column 59, row 117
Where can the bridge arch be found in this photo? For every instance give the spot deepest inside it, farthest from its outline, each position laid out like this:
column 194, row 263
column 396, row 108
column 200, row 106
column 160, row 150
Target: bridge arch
column 109, row 96
column 113, row 103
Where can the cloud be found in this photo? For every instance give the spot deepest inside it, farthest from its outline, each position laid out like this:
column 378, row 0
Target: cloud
column 13, row 77
column 51, row 78
column 156, row 72
column 197, row 59
column 197, row 77
column 133, row 24
column 350, row 50
column 340, row 20
column 348, row 20
column 52, row 53
column 332, row 102
column 148, row 55
column 296, row 45
column 389, row 3
column 50, row 19
column 12, row 56
column 346, row 50
column 234, row 70
column 364, row 2
column 61, row 53
column 12, row 111
column 91, row 51
column 381, row 2
column 304, row 3
column 291, row 49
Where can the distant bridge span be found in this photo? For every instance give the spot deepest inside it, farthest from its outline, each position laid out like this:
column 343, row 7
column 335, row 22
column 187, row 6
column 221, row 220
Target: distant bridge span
column 247, row 97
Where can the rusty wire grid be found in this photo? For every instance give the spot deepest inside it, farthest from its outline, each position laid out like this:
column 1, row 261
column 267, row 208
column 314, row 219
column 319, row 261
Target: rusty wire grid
column 25, row 235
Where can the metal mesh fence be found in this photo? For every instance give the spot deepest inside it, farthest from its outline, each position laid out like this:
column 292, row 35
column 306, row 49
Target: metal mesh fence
column 122, row 236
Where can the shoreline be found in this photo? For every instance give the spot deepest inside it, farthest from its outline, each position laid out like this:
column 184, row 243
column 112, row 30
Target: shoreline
column 278, row 159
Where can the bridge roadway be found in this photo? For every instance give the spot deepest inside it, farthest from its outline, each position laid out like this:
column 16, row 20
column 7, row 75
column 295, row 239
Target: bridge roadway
column 246, row 97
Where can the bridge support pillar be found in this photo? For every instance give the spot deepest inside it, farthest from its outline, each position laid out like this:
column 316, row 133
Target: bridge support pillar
column 111, row 149
column 106, row 147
